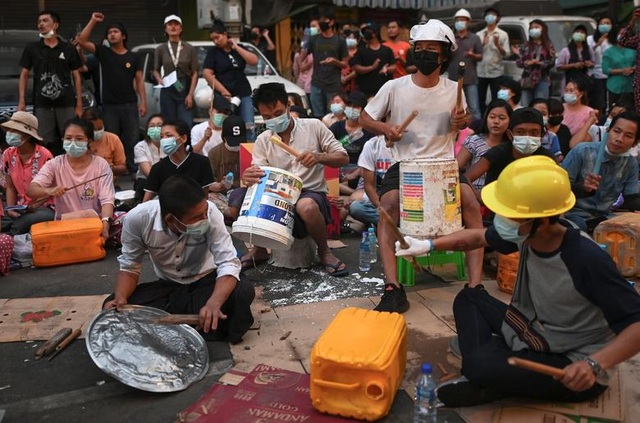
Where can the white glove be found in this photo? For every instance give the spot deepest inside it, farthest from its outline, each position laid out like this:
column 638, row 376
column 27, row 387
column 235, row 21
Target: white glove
column 417, row 247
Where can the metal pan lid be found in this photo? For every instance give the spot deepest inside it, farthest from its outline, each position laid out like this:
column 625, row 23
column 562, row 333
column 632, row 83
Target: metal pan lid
column 150, row 357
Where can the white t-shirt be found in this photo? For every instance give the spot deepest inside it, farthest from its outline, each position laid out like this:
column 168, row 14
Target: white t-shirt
column 197, row 132
column 375, row 157
column 145, row 151
column 428, row 136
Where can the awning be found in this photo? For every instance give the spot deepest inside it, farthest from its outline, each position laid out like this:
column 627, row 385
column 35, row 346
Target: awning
column 409, row 4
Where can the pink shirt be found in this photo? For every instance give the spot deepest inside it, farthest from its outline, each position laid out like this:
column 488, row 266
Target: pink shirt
column 20, row 173
column 575, row 119
column 91, row 195
column 303, row 79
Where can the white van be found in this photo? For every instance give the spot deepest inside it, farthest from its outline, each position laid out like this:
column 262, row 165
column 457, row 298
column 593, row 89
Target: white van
column 268, row 73
column 560, row 29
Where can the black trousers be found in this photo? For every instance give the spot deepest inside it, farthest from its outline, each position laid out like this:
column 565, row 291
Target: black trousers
column 484, row 351
column 177, row 298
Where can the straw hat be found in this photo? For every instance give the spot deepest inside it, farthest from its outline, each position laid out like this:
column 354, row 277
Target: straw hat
column 25, row 123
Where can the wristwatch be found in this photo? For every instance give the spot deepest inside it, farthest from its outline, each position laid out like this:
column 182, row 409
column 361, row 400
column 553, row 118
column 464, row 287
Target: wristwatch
column 107, row 219
column 595, row 366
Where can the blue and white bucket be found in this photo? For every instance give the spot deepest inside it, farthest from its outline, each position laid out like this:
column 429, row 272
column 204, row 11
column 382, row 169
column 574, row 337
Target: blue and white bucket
column 266, row 216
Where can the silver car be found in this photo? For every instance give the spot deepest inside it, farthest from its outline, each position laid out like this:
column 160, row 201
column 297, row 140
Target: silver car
column 268, row 73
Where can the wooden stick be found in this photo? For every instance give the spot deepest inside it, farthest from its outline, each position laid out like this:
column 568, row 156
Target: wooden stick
column 536, row 367
column 76, row 333
column 177, row 319
column 403, row 127
column 84, row 182
column 461, row 70
column 49, row 346
column 398, row 235
column 286, row 147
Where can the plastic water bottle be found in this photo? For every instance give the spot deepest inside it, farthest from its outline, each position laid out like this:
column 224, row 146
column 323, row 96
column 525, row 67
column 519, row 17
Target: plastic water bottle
column 260, row 68
column 349, row 138
column 426, row 400
column 228, row 180
column 373, row 244
column 365, row 253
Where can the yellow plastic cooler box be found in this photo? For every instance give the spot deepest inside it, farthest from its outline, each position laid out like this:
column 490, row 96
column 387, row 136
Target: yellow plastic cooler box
column 358, row 362
column 67, row 241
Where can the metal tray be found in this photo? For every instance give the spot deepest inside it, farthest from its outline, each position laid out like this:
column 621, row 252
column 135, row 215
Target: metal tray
column 150, row 357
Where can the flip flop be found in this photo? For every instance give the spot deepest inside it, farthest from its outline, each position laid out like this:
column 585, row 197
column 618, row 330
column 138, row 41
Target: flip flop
column 251, row 263
column 337, row 272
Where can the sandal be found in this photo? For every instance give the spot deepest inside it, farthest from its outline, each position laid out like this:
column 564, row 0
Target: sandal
column 336, row 271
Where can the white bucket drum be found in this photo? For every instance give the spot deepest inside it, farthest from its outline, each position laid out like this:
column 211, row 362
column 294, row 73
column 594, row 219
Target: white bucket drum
column 430, row 197
column 266, row 216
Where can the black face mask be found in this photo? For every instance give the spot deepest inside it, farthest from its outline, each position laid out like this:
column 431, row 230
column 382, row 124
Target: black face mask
column 367, row 35
column 426, row 61
column 254, row 36
column 324, row 26
column 555, row 120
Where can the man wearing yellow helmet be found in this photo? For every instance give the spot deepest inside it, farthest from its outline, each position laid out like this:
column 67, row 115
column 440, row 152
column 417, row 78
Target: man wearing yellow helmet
column 570, row 309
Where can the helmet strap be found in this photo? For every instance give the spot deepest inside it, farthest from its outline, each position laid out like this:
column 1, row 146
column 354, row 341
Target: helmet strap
column 534, row 227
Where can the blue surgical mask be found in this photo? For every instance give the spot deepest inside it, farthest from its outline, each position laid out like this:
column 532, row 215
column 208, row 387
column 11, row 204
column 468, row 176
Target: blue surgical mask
column 460, row 25
column 336, row 108
column 570, row 98
column 545, row 121
column 535, row 33
column 154, row 133
column 75, row 148
column 313, row 31
column 218, row 119
column 352, row 113
column 526, row 144
column 97, row 135
column 604, row 28
column 578, row 37
column 199, row 228
column 169, row 145
column 490, row 19
column 13, row 139
column 352, row 42
column 509, row 229
column 279, row 123
column 504, row 94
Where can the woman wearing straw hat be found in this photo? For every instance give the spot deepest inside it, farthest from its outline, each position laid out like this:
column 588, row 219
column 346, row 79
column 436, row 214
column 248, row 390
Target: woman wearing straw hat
column 21, row 162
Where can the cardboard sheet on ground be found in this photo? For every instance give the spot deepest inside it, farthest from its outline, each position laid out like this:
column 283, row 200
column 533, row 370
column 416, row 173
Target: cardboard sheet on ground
column 38, row 319
column 266, row 394
column 608, row 407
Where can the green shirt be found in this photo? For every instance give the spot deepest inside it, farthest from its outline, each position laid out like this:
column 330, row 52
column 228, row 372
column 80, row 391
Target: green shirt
column 617, row 57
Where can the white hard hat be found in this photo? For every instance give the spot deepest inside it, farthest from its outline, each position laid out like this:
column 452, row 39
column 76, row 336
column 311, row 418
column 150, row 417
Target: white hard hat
column 172, row 18
column 203, row 97
column 462, row 13
column 433, row 30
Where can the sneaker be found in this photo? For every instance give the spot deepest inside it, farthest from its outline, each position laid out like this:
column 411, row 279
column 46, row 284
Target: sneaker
column 394, row 299
column 462, row 393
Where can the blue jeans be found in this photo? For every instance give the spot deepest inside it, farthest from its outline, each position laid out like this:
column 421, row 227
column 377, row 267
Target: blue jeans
column 471, row 94
column 319, row 102
column 122, row 120
column 365, row 212
column 173, row 107
column 541, row 90
column 247, row 114
column 22, row 224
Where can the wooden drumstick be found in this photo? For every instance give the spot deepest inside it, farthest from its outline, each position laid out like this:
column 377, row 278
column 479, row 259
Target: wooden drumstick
column 398, row 235
column 286, row 147
column 536, row 367
column 403, row 126
column 461, row 70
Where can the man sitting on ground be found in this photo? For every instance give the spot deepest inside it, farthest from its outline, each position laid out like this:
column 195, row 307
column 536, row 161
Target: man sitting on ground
column 571, row 308
column 194, row 260
column 318, row 148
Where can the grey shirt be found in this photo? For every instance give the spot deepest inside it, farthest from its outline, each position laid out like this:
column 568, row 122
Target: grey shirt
column 470, row 42
column 327, row 77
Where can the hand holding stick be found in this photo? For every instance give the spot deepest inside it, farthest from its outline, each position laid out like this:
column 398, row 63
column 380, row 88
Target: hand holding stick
column 286, row 147
column 399, row 237
column 403, row 126
column 536, row 367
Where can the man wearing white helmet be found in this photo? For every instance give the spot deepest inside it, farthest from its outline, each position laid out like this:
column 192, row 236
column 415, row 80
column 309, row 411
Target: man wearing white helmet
column 470, row 52
column 430, row 135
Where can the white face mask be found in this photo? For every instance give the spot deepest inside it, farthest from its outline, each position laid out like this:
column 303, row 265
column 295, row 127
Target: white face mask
column 48, row 35
column 97, row 135
column 626, row 153
column 526, row 144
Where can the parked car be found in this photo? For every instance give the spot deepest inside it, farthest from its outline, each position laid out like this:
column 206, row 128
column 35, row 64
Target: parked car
column 268, row 73
column 12, row 43
column 560, row 30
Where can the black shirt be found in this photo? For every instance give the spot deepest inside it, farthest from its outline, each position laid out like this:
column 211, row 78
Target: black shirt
column 354, row 148
column 370, row 83
column 502, row 155
column 195, row 166
column 325, row 76
column 564, row 138
column 228, row 67
column 52, row 66
column 118, row 75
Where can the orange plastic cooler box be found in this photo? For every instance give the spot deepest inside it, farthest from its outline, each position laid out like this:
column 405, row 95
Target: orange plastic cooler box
column 358, row 362
column 67, row 241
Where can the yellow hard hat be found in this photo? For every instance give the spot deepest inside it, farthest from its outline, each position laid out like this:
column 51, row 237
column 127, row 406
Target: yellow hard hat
column 530, row 187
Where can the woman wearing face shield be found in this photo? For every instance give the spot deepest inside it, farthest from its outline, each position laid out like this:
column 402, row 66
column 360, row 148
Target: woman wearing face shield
column 89, row 175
